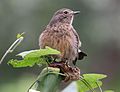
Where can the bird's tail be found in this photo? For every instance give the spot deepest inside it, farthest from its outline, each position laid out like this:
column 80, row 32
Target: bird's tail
column 81, row 55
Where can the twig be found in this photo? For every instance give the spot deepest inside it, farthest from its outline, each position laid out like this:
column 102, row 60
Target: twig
column 12, row 47
column 99, row 87
column 87, row 84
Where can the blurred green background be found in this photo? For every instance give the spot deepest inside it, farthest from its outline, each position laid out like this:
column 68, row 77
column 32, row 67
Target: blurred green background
column 98, row 26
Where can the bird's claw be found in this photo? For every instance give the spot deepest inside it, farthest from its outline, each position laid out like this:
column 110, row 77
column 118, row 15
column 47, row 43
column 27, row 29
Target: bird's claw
column 72, row 73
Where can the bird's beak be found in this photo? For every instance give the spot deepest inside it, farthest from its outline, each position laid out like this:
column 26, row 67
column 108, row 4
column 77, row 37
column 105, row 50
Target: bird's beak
column 76, row 12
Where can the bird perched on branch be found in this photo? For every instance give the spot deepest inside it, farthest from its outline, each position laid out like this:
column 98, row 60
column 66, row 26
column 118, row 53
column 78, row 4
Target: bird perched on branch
column 60, row 34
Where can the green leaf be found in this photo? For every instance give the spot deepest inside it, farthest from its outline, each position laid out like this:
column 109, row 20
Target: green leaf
column 108, row 91
column 33, row 57
column 83, row 88
column 20, row 35
column 23, row 54
column 43, row 52
column 26, row 62
column 32, row 90
column 39, row 52
column 92, row 79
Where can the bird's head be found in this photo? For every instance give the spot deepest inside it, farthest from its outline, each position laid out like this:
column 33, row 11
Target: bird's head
column 63, row 16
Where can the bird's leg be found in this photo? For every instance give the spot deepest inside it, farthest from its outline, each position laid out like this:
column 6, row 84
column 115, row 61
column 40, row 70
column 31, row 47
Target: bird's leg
column 67, row 78
column 54, row 60
column 74, row 61
column 72, row 73
column 58, row 62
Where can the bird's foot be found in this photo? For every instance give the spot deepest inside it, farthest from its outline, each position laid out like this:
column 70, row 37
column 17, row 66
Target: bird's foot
column 72, row 73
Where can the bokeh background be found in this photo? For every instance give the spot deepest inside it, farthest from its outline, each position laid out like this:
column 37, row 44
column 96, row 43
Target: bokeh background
column 98, row 26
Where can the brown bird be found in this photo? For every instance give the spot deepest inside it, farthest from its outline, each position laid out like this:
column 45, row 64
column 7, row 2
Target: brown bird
column 60, row 34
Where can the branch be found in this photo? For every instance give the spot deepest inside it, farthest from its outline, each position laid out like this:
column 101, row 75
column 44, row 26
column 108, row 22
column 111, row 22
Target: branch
column 13, row 46
column 48, row 80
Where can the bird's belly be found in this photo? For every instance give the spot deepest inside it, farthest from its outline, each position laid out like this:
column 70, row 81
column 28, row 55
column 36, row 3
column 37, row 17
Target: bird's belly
column 65, row 45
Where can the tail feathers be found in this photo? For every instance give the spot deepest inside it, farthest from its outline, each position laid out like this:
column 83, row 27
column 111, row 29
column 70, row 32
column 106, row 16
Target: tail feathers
column 81, row 55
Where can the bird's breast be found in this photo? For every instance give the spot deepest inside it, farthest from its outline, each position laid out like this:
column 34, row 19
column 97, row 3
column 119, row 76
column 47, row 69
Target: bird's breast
column 60, row 38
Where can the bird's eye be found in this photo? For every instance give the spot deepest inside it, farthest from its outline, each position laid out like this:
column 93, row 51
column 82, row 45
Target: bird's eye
column 65, row 12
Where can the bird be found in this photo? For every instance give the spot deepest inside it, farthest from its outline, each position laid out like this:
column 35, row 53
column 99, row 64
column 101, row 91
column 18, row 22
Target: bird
column 60, row 34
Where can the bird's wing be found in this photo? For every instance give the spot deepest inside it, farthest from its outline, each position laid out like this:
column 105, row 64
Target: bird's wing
column 42, row 37
column 78, row 39
column 80, row 53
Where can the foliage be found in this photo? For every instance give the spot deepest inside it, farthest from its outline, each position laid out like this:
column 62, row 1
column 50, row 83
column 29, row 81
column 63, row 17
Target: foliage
column 13, row 46
column 92, row 81
column 33, row 57
column 109, row 91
